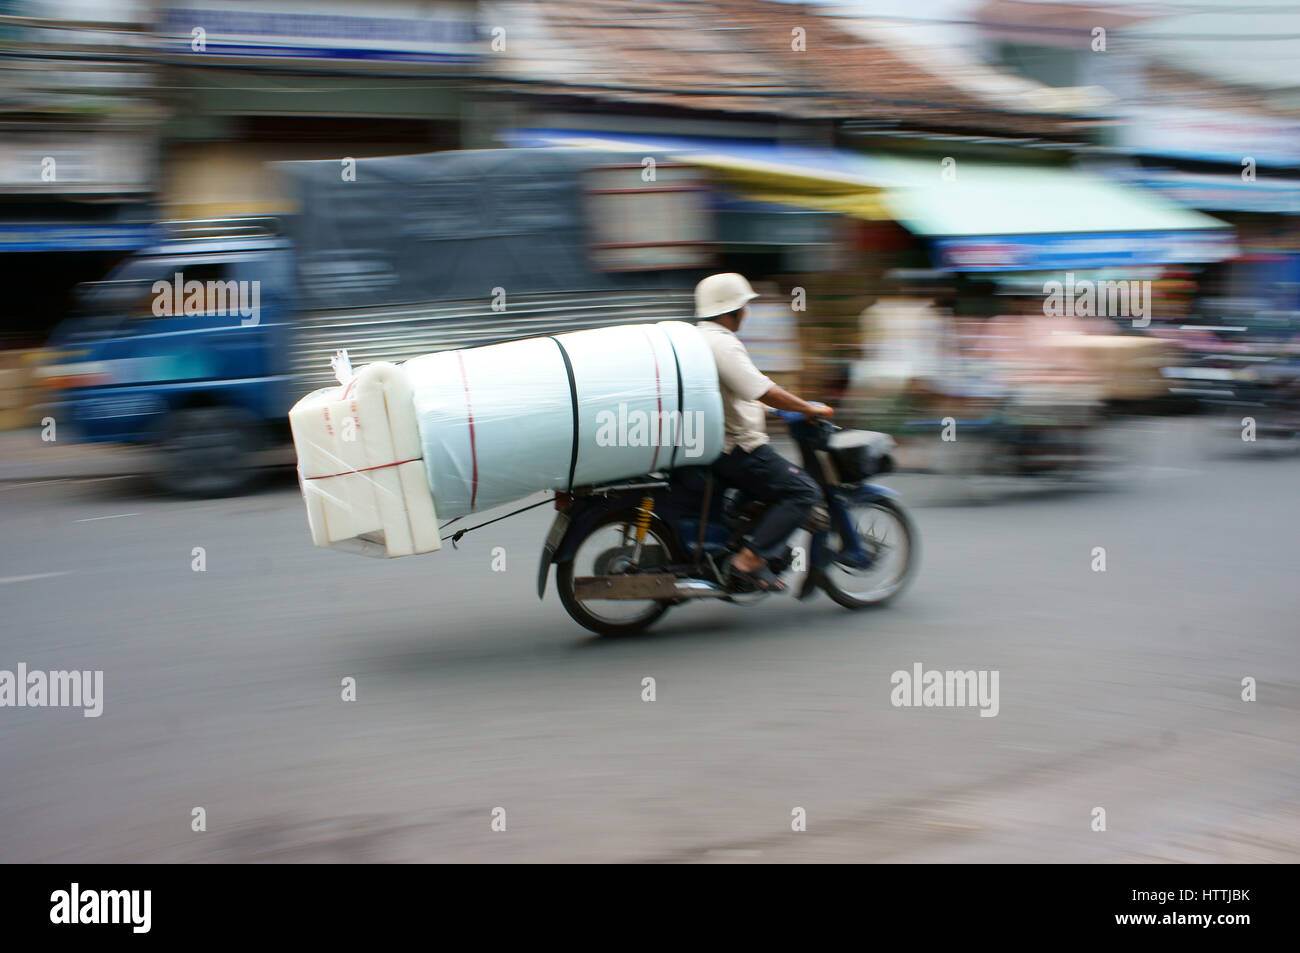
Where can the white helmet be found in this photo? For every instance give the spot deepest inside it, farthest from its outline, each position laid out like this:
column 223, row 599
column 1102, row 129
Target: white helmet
column 722, row 294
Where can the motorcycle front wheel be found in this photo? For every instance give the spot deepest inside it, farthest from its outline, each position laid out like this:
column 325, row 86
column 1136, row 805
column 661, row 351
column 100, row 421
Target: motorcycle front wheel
column 888, row 534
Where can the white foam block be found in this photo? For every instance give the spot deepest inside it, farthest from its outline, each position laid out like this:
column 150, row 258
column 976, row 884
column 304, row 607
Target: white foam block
column 363, row 481
column 420, row 510
column 368, row 422
column 389, row 510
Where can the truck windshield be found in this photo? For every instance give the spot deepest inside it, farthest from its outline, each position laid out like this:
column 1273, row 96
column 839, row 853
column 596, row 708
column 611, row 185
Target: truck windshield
column 128, row 295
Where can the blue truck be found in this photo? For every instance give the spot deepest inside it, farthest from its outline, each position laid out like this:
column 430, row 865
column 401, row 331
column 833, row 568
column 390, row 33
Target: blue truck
column 200, row 344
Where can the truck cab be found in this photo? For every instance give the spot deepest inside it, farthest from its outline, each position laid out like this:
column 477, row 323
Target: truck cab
column 184, row 345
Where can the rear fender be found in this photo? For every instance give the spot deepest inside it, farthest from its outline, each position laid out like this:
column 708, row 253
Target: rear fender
column 573, row 526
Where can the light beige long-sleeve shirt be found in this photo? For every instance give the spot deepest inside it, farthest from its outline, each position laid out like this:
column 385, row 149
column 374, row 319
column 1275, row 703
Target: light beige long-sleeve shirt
column 741, row 383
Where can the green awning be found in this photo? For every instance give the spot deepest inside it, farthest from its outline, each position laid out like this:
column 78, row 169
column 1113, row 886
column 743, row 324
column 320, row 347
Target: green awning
column 986, row 217
column 981, row 198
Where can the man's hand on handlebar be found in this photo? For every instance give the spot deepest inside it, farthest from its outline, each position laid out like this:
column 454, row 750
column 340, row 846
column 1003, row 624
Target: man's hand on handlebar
column 779, row 398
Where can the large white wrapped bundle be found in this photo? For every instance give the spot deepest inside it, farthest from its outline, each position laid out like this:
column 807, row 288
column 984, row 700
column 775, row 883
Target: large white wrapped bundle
column 503, row 421
column 360, row 466
column 394, row 449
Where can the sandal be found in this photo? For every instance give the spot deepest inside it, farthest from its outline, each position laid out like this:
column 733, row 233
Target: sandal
column 761, row 579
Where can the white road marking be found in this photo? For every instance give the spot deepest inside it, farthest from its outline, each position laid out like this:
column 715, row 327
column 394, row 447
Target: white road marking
column 14, row 486
column 39, row 575
column 100, row 479
column 91, row 519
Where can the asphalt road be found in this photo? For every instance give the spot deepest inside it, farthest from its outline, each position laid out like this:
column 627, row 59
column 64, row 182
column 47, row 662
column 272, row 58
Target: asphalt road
column 222, row 689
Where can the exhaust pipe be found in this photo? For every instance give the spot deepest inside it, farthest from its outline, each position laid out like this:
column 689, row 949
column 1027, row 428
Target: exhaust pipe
column 700, row 589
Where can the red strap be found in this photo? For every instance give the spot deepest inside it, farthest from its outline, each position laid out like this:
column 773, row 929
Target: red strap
column 364, row 469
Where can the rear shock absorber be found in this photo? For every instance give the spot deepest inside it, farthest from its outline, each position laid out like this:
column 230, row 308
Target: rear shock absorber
column 644, row 511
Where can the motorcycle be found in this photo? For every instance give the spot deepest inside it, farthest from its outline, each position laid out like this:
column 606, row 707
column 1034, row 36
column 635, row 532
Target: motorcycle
column 628, row 552
column 1266, row 392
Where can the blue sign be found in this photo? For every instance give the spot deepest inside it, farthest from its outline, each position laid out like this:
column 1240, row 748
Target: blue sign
column 399, row 33
column 986, row 253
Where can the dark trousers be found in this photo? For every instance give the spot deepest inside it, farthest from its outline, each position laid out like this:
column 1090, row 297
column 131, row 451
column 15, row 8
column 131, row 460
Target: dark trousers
column 767, row 476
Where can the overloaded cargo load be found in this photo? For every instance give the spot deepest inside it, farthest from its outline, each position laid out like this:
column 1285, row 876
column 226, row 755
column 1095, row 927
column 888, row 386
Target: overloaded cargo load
column 394, row 449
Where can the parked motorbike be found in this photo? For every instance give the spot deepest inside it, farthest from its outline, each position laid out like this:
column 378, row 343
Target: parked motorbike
column 1265, row 390
column 626, row 553
column 1244, row 367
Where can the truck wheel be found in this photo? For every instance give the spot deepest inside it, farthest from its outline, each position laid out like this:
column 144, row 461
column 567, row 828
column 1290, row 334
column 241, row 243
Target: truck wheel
column 207, row 452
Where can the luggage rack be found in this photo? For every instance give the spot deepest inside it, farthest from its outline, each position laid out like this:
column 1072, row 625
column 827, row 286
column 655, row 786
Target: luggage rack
column 600, row 489
column 605, row 488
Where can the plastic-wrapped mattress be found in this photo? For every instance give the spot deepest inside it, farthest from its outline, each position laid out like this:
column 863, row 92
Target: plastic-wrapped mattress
column 503, row 421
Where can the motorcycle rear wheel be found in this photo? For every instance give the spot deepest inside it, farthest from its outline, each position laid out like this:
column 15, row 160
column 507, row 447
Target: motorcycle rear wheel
column 604, row 551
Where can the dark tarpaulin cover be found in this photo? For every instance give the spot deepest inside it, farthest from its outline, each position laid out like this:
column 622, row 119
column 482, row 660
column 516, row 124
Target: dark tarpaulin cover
column 444, row 226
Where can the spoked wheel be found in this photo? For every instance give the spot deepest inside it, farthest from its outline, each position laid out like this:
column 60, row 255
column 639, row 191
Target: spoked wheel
column 610, row 550
column 889, row 537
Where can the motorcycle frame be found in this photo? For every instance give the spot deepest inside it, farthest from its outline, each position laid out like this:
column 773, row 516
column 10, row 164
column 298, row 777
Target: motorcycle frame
column 589, row 507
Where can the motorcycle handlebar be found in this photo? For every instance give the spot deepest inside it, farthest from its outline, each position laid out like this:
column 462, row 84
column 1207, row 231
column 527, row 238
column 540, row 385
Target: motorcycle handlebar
column 794, row 416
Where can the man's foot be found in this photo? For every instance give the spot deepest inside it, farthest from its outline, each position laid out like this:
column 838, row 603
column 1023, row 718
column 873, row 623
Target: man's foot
column 756, row 579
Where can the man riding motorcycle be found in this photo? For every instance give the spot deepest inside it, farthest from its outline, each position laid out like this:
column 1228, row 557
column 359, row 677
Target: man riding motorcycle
column 748, row 461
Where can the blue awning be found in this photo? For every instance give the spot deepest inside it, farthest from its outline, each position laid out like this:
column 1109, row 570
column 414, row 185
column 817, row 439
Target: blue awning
column 1219, row 193
column 77, row 236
